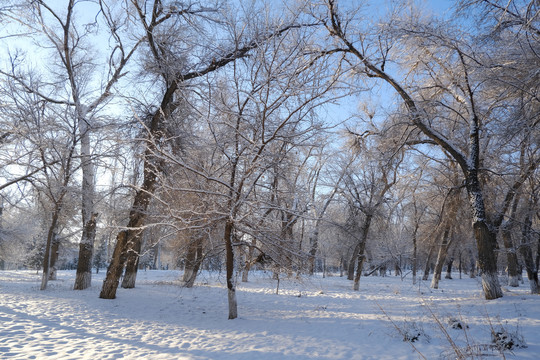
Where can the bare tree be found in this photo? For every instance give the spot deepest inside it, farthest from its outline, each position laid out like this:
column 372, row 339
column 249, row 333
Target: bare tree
column 460, row 67
column 170, row 64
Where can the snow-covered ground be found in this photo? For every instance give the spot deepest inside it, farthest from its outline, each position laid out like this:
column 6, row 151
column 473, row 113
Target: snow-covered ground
column 311, row 318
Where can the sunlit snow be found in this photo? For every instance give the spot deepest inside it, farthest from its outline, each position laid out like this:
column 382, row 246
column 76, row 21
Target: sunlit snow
column 310, row 318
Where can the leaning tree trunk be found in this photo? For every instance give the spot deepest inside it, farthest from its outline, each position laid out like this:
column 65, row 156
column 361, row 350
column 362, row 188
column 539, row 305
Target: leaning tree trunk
column 132, row 263
column 361, row 258
column 443, row 251
column 198, row 261
column 51, row 235
column 194, row 259
column 137, row 216
column 126, row 240
column 114, row 271
column 361, row 249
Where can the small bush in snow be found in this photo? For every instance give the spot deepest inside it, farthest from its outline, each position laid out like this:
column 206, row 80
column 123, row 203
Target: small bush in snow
column 507, row 340
column 457, row 324
column 413, row 332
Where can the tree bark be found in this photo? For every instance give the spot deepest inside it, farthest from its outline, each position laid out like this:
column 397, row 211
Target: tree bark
column 415, row 255
column 449, row 268
column 511, row 256
column 83, row 278
column 247, row 266
column 51, row 235
column 229, row 264
column 443, row 250
column 427, row 266
column 486, row 238
column 486, row 242
column 361, row 257
column 531, row 266
column 132, row 263
column 194, row 259
column 55, row 251
column 114, row 271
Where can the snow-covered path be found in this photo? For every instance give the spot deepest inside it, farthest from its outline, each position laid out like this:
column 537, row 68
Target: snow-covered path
column 313, row 318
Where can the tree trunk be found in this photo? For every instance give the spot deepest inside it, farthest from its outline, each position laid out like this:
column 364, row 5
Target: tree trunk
column 472, row 273
column 55, row 251
column 132, row 263
column 531, row 266
column 247, row 266
column 361, row 249
column 443, row 250
column 449, row 268
column 511, row 256
column 460, row 264
column 352, row 263
column 229, row 265
column 51, row 235
column 415, row 256
column 83, row 278
column 427, row 267
column 132, row 236
column 194, row 259
column 114, row 271
column 360, row 246
column 486, row 242
column 486, row 238
column 361, row 257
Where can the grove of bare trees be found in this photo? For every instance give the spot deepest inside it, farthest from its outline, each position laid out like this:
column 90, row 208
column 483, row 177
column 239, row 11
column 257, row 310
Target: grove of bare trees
column 294, row 136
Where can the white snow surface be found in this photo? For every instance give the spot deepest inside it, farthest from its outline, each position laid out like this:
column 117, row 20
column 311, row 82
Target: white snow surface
column 310, row 318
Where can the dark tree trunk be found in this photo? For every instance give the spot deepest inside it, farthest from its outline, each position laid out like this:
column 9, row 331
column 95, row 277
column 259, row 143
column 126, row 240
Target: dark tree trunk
column 531, row 266
column 361, row 258
column 449, row 268
column 51, row 238
column 360, row 247
column 55, row 251
column 485, row 236
column 114, row 271
column 229, row 264
column 132, row 263
column 486, row 241
column 83, row 278
column 352, row 262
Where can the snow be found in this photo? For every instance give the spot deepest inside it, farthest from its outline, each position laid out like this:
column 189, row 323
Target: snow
column 311, row 318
